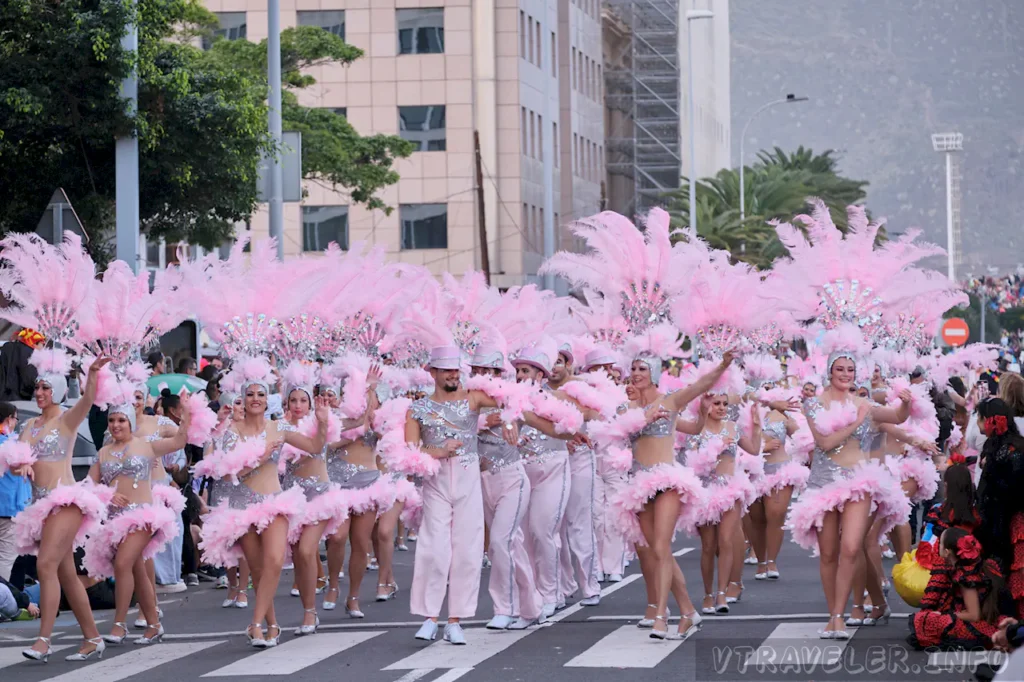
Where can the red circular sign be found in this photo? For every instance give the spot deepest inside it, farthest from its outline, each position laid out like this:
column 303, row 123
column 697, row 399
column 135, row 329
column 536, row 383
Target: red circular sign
column 955, row 331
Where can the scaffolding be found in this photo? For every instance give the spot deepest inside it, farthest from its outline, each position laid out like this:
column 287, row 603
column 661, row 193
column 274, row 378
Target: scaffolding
column 644, row 83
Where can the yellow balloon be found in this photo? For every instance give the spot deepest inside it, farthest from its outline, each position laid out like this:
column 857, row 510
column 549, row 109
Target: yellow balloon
column 910, row 579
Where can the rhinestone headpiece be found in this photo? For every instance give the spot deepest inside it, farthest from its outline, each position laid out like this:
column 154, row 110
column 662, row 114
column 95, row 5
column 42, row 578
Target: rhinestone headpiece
column 644, row 306
column 846, row 301
column 251, row 335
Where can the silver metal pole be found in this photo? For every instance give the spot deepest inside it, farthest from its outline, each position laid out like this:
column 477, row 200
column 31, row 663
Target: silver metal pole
column 126, row 169
column 693, row 126
column 788, row 99
column 274, row 78
column 547, row 148
column 743, row 195
column 951, row 247
column 983, row 306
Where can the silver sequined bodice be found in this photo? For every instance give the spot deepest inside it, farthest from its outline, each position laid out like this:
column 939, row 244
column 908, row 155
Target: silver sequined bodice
column 659, row 428
column 539, row 447
column 52, row 447
column 451, row 420
column 494, row 448
column 825, row 471
column 776, row 430
column 705, row 437
column 134, row 466
column 867, row 434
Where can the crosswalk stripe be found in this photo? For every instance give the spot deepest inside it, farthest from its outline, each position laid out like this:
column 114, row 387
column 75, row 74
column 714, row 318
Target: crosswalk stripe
column 798, row 643
column 453, row 674
column 481, row 645
column 627, row 647
column 294, row 655
column 414, row 675
column 131, row 663
column 11, row 655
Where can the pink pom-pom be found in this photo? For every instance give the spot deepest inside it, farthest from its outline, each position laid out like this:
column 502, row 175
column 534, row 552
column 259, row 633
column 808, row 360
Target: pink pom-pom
column 513, row 398
column 597, row 391
column 15, row 454
column 246, row 454
column 411, row 460
column 353, row 397
column 618, row 459
column 836, row 417
column 389, row 421
column 704, row 459
column 202, row 420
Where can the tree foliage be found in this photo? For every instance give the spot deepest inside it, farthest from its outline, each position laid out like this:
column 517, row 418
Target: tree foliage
column 201, row 121
column 776, row 188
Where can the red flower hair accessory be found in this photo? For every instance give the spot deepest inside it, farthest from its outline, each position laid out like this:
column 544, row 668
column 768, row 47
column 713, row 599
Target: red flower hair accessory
column 968, row 548
column 996, row 425
column 957, row 458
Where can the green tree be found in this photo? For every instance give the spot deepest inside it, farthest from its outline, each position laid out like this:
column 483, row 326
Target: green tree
column 201, row 121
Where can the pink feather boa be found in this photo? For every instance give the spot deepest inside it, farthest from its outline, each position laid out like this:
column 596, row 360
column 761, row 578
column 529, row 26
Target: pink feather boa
column 919, row 469
column 408, row 495
column 514, row 398
column 246, row 454
column 597, row 391
column 921, row 406
column 791, row 474
column 565, row 416
column 400, row 456
column 223, row 527
column 202, row 420
column 309, row 427
column 801, row 443
column 15, row 454
column 643, row 486
column 869, row 479
column 28, row 524
column 704, row 459
column 102, row 546
column 353, row 398
column 618, row 431
column 169, row 497
column 617, row 459
column 836, row 417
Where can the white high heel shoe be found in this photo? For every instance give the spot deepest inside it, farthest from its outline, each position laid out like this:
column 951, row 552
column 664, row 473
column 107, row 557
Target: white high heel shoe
column 34, row 655
column 114, row 639
column 100, row 645
column 330, row 604
column 303, row 630
column 353, row 613
column 696, row 622
column 648, row 623
column 659, row 634
column 146, row 641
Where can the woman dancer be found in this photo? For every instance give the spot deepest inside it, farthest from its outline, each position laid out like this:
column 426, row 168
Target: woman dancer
column 326, row 505
column 137, row 526
column 254, row 522
column 232, row 410
column 352, row 465
column 727, row 488
column 63, row 513
column 782, row 474
column 846, row 490
column 645, row 510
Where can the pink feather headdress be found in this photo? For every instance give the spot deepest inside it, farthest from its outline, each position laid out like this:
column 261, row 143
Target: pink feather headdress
column 761, row 368
column 46, row 285
column 914, row 323
column 300, row 375
column 660, row 342
column 631, row 267
column 247, row 370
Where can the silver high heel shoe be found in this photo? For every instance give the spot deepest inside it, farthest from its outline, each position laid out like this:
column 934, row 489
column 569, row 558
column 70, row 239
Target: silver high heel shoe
column 34, row 655
column 114, row 639
column 834, row 634
column 648, row 623
column 392, row 591
column 722, row 609
column 330, row 604
column 736, row 599
column 854, row 622
column 146, row 641
column 266, row 642
column 880, row 620
column 761, row 575
column 709, row 610
column 696, row 622
column 100, row 645
column 772, row 574
column 353, row 613
column 308, row 629
column 660, row 634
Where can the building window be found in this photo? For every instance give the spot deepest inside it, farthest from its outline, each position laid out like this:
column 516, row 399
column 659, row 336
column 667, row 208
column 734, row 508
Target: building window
column 322, row 225
column 424, row 226
column 340, row 111
column 332, row 21
column 522, row 34
column 420, row 31
column 572, row 69
column 423, row 125
column 554, row 58
column 554, row 142
column 533, row 135
column 529, row 39
column 230, row 26
column 540, row 137
column 540, row 48
column 525, row 130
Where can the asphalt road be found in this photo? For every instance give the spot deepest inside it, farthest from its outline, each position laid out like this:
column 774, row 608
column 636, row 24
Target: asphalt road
column 770, row 635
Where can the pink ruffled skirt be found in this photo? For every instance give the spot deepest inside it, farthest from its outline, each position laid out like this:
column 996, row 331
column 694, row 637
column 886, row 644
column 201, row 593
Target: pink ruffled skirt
column 643, row 485
column 781, row 475
column 224, row 526
column 831, row 486
column 331, row 505
column 28, row 524
column 722, row 493
column 920, row 469
column 168, row 496
column 101, row 547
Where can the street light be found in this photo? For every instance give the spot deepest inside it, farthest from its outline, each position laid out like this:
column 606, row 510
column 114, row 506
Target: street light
column 789, row 99
column 276, row 199
column 691, row 16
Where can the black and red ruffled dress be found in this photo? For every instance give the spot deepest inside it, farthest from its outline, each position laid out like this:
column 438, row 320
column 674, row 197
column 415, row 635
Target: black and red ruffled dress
column 1001, row 506
column 936, row 624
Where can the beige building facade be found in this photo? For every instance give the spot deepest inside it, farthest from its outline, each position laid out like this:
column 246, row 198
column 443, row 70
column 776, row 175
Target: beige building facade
column 523, row 74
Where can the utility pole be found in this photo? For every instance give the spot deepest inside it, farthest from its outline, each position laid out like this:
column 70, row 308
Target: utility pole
column 481, row 215
column 276, row 203
column 126, row 164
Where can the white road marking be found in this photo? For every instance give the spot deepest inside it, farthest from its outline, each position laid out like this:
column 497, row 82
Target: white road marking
column 627, row 647
column 798, row 643
column 453, row 674
column 131, row 663
column 481, row 645
column 294, row 655
column 684, row 550
column 414, row 675
column 708, row 620
column 11, row 655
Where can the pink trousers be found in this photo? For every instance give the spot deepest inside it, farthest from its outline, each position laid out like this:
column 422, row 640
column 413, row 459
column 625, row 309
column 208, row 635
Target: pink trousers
column 611, row 543
column 578, row 531
column 549, row 481
column 450, row 543
column 506, row 499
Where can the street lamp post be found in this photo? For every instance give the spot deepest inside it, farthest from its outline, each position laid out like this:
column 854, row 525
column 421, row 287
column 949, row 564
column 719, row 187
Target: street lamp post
column 788, row 99
column 276, row 202
column 691, row 16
